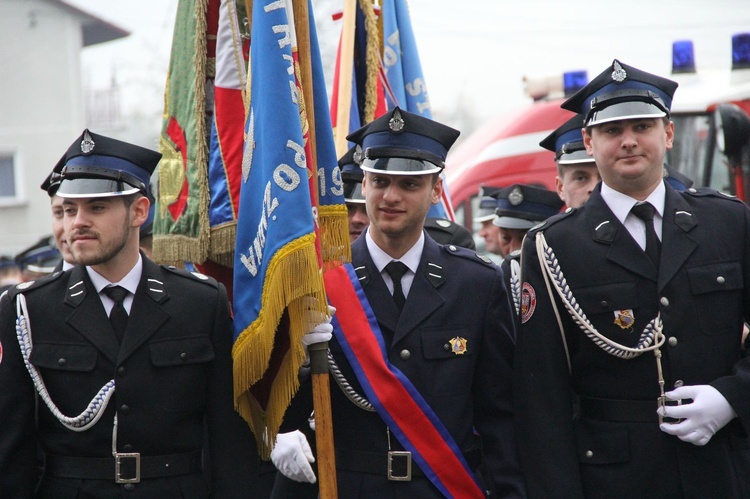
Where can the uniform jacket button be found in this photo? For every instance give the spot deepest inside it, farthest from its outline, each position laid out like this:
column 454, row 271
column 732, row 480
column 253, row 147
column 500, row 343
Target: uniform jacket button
column 720, row 280
column 604, row 304
column 129, row 487
column 183, row 356
column 62, row 362
column 447, row 347
column 124, row 409
column 678, row 383
column 664, row 301
column 121, row 371
column 405, row 354
column 127, row 448
column 589, row 454
column 672, row 341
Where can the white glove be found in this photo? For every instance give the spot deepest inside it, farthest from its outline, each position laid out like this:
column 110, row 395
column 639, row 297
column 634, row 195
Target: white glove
column 322, row 332
column 292, row 457
column 708, row 413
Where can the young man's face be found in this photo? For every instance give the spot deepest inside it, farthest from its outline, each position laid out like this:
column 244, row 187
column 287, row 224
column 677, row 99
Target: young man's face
column 358, row 220
column 398, row 204
column 630, row 153
column 576, row 182
column 58, row 228
column 491, row 235
column 97, row 229
column 511, row 239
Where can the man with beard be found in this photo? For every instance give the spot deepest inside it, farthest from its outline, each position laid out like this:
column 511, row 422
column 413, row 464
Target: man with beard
column 162, row 337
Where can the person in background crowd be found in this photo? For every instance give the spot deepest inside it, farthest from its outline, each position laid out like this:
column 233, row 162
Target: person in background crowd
column 355, row 202
column 629, row 379
column 39, row 260
column 488, row 231
column 131, row 361
column 10, row 273
column 520, row 207
column 576, row 170
column 445, row 334
column 446, row 232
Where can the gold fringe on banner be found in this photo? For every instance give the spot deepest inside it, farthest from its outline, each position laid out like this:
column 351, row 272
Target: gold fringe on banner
column 293, row 283
column 221, row 248
column 334, row 239
column 372, row 60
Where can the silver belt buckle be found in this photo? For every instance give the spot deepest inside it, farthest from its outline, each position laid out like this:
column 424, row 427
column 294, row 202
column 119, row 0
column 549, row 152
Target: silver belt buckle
column 663, row 402
column 119, row 457
column 406, row 455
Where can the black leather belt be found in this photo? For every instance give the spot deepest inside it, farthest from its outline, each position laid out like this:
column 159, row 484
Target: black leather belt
column 124, row 468
column 376, row 463
column 625, row 411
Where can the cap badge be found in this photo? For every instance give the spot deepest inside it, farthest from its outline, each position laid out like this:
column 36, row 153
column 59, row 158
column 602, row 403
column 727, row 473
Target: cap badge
column 624, row 318
column 458, row 345
column 516, row 196
column 87, row 144
column 357, row 156
column 396, row 123
column 618, row 73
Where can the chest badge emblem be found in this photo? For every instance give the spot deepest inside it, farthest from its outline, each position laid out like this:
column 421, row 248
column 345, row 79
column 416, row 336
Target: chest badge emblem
column 624, row 318
column 458, row 345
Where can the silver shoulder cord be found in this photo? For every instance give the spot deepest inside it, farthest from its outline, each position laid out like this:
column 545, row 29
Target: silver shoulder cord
column 553, row 273
column 98, row 404
column 515, row 284
column 350, row 393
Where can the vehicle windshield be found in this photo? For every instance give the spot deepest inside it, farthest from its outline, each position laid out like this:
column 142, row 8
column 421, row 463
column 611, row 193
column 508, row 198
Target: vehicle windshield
column 695, row 153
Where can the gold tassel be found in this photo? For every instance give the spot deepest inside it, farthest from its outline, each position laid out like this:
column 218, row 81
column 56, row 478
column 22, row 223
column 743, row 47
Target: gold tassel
column 372, row 59
column 334, row 240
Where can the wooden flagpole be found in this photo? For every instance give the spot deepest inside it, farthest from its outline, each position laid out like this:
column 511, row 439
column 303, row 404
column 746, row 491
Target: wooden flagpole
column 319, row 351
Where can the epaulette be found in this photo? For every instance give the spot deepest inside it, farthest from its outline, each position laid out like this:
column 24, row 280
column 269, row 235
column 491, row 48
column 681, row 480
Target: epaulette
column 468, row 254
column 32, row 285
column 552, row 220
column 193, row 276
column 708, row 192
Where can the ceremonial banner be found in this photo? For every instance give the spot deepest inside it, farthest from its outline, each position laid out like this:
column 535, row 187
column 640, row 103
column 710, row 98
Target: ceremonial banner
column 278, row 285
column 181, row 227
column 227, row 132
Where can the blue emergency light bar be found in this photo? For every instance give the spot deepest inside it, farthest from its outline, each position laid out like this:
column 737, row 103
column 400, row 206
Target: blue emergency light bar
column 741, row 51
column 573, row 81
column 683, row 57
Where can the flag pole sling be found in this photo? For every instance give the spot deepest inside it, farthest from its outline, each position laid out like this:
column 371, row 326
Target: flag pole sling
column 318, row 352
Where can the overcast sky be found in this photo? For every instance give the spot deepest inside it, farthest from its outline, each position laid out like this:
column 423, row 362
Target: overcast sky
column 474, row 53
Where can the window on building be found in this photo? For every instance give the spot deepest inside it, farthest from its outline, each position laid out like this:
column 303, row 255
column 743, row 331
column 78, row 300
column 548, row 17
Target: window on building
column 7, row 176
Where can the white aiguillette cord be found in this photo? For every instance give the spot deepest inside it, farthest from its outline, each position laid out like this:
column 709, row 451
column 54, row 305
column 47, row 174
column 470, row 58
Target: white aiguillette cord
column 98, row 404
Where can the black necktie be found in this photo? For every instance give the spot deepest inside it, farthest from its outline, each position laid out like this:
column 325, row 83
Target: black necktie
column 646, row 213
column 397, row 270
column 118, row 317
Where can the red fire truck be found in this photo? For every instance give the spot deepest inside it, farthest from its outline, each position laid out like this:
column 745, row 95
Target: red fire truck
column 711, row 112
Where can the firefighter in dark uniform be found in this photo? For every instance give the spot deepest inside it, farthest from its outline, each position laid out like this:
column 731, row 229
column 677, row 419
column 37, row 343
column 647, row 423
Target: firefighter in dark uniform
column 632, row 312
column 519, row 208
column 119, row 405
column 446, row 329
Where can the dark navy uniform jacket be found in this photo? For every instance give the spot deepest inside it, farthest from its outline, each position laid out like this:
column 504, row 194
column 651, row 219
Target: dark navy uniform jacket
column 702, row 291
column 465, row 297
column 173, row 381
